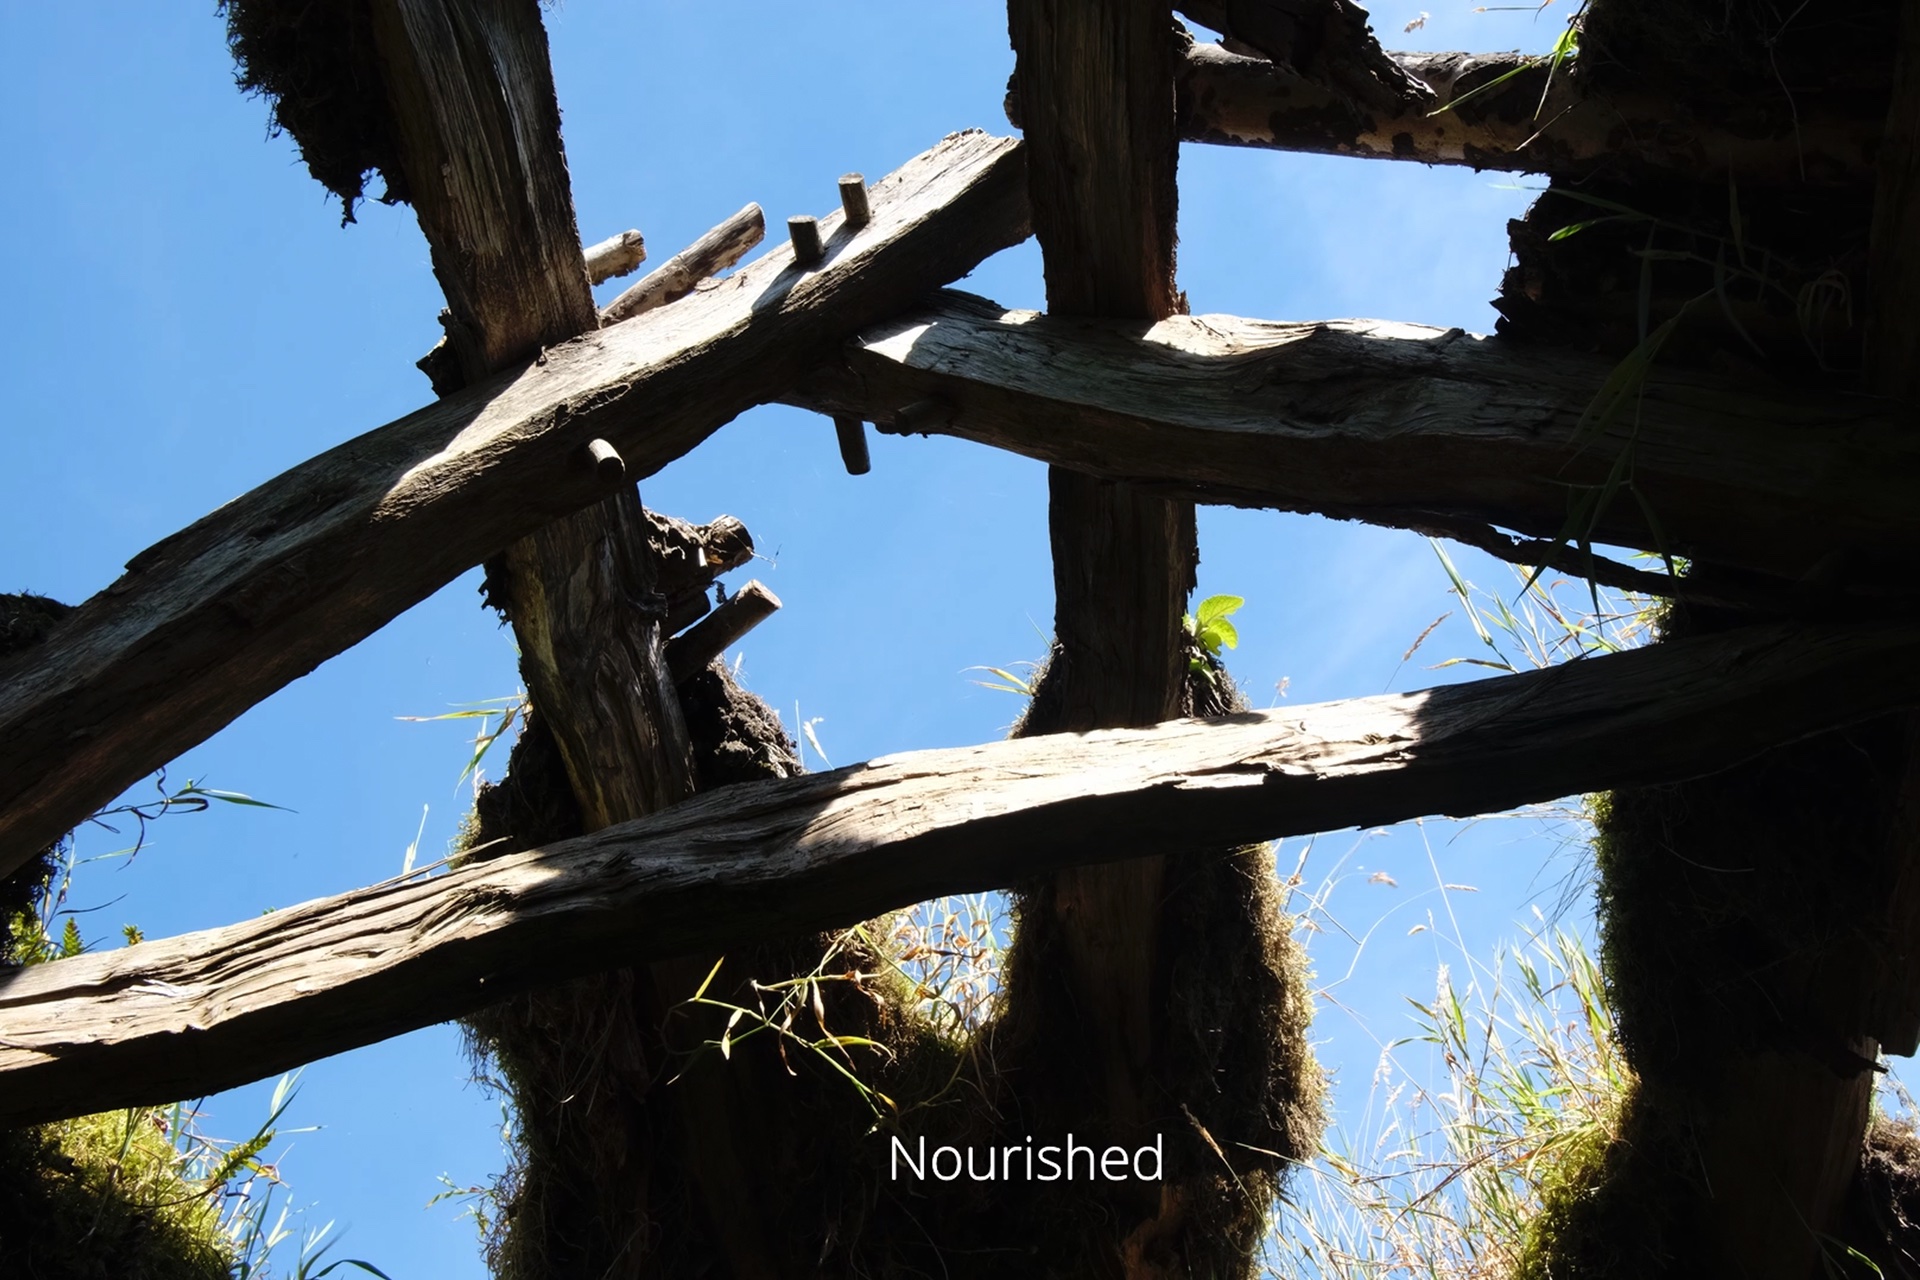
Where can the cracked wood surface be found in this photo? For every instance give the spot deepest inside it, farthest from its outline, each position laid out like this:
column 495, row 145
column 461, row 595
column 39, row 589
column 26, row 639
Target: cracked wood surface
column 185, row 1016
column 1403, row 425
column 1526, row 125
column 211, row 620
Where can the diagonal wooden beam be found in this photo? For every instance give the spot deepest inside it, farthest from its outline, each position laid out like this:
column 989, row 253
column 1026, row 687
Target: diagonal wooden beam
column 185, row 1016
column 1403, row 425
column 213, row 619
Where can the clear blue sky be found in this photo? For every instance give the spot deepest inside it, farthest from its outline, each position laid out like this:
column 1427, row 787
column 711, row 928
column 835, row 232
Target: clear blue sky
column 186, row 318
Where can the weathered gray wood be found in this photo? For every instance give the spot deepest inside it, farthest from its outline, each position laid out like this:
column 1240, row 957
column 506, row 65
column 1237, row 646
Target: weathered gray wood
column 481, row 139
column 185, row 1016
column 679, row 275
column 472, row 113
column 1404, row 425
column 1104, row 154
column 218, row 616
column 1328, row 41
column 615, row 256
column 1233, row 100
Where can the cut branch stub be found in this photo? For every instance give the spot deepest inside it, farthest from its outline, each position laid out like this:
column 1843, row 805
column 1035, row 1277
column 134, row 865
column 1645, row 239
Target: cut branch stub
column 615, row 256
column 677, row 277
column 720, row 630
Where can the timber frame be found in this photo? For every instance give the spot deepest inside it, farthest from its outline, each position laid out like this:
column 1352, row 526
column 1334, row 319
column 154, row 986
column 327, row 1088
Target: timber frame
column 1807, row 497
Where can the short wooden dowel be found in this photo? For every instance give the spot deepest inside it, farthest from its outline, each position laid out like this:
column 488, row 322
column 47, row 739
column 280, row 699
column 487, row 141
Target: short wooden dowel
column 804, row 231
column 852, row 434
column 853, row 200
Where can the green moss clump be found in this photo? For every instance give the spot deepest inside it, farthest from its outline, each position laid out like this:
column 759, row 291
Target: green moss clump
column 107, row 1197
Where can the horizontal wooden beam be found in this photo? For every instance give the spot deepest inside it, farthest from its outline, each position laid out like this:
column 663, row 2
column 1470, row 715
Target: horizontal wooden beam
column 1525, row 125
column 213, row 619
column 1404, row 425
column 185, row 1016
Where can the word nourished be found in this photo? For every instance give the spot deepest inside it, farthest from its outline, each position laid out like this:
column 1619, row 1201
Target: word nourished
column 1027, row 1162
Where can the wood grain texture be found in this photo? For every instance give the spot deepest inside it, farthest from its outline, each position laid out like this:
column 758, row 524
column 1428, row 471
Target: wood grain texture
column 185, row 1016
column 681, row 274
column 1526, row 125
column 615, row 256
column 1103, row 158
column 471, row 105
column 482, row 153
column 209, row 621
column 1403, row 425
column 1329, row 42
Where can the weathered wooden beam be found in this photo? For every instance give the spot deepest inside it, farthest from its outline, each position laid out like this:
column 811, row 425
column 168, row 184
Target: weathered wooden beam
column 1525, row 125
column 1328, row 41
column 209, row 621
column 185, row 1016
column 1406, row 425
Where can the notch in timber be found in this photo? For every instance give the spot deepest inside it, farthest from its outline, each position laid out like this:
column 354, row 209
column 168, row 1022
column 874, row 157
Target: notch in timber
column 804, row 231
column 853, row 200
column 852, row 434
column 919, row 418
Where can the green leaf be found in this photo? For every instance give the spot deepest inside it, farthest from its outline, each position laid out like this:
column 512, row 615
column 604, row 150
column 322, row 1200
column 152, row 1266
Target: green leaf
column 1219, row 632
column 1218, row 607
column 229, row 797
column 71, row 944
column 133, row 935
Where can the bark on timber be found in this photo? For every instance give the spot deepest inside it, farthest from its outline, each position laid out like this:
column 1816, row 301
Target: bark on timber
column 209, row 621
column 1407, row 425
column 186, row 1016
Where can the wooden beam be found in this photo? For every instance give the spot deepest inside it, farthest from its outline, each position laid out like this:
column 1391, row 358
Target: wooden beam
column 209, row 621
column 1525, row 125
column 471, row 109
column 1404, row 425
column 1329, row 42
column 186, row 1016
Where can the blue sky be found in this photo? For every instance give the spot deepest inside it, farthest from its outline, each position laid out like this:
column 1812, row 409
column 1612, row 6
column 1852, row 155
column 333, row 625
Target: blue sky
column 186, row 318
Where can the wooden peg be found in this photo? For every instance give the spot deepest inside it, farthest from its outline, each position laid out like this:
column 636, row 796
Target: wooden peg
column 805, row 234
column 608, row 466
column 853, row 199
column 853, row 444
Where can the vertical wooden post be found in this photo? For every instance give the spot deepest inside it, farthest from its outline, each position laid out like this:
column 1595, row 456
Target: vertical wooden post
column 1096, row 81
column 471, row 95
